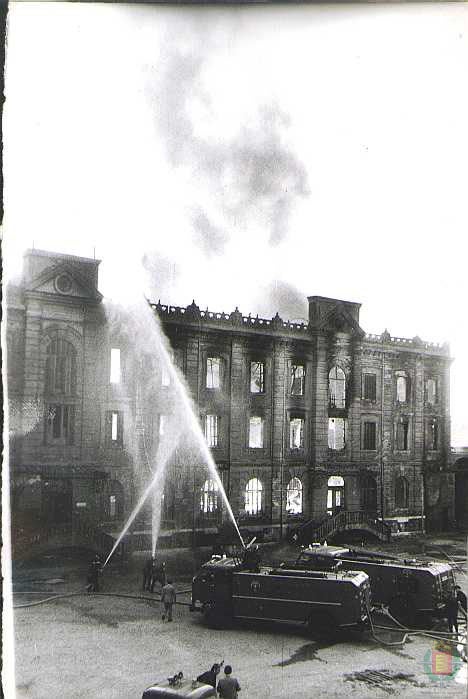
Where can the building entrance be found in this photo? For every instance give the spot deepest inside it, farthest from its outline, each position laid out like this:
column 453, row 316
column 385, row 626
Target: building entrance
column 335, row 495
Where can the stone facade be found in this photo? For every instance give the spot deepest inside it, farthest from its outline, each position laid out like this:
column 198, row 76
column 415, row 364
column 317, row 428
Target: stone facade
column 337, row 419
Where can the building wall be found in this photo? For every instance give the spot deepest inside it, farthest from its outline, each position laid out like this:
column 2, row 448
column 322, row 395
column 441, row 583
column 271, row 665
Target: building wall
column 91, row 470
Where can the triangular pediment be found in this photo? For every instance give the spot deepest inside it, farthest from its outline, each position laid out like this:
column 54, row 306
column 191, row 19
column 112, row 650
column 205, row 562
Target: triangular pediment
column 64, row 280
column 339, row 319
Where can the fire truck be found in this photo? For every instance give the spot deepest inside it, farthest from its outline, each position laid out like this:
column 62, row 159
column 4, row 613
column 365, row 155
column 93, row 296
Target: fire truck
column 231, row 588
column 408, row 587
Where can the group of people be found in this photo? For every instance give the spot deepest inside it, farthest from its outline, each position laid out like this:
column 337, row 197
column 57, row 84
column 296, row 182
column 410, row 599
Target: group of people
column 227, row 687
column 153, row 571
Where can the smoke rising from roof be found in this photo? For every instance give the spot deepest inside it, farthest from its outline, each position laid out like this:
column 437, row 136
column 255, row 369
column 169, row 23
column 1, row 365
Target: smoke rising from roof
column 252, row 177
column 282, row 298
column 161, row 271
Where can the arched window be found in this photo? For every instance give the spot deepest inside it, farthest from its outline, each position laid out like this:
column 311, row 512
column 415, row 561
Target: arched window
column 337, row 387
column 253, row 497
column 294, row 497
column 60, row 368
column 209, row 497
column 60, row 390
column 401, row 492
column 402, row 388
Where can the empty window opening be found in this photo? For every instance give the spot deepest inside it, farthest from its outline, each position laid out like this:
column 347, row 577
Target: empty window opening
column 402, row 389
column 162, row 424
column 401, row 492
column 297, row 379
column 211, row 430
column 112, row 506
column 337, row 387
column 60, row 424
column 402, row 432
column 209, row 497
column 296, row 433
column 294, row 497
column 336, row 433
column 257, row 377
column 433, row 434
column 115, row 365
column 431, row 391
column 253, row 497
column 370, row 387
column 60, row 368
column 213, row 372
column 256, row 432
column 369, row 436
column 114, row 430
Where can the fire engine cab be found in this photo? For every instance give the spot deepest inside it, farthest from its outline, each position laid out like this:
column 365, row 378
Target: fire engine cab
column 241, row 588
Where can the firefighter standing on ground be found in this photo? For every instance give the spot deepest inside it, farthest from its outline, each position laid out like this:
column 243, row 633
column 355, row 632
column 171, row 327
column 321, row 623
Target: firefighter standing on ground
column 451, row 612
column 93, row 575
column 228, row 686
column 168, row 598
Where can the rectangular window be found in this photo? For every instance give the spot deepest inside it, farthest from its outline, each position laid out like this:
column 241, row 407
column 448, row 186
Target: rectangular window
column 112, row 506
column 115, row 365
column 370, row 387
column 297, row 379
column 162, row 424
column 369, row 436
column 336, row 433
column 165, row 376
column 402, row 430
column 256, row 433
column 431, row 391
column 213, row 372
column 296, row 433
column 257, row 377
column 211, row 430
column 114, row 427
column 60, row 424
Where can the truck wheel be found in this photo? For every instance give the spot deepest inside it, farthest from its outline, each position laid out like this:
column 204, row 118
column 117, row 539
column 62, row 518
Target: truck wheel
column 321, row 623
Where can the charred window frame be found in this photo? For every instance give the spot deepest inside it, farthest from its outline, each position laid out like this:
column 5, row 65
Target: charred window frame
column 257, row 377
column 294, row 499
column 212, row 425
column 60, row 424
column 60, row 371
column 296, row 432
column 402, row 434
column 431, row 391
column 256, row 431
column 369, row 435
column 337, row 388
column 214, row 372
column 401, row 493
column 337, row 433
column 433, row 434
column 298, row 373
column 209, row 502
column 403, row 387
column 369, row 386
column 253, row 504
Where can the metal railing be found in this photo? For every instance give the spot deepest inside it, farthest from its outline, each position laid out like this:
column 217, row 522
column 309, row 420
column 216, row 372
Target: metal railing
column 346, row 519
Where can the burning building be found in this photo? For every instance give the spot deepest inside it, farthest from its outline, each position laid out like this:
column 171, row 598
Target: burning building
column 313, row 422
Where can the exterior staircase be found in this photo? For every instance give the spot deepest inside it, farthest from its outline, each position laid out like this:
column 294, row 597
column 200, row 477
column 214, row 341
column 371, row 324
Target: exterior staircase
column 345, row 520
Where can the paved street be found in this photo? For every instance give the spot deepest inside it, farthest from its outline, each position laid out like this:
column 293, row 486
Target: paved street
column 98, row 646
